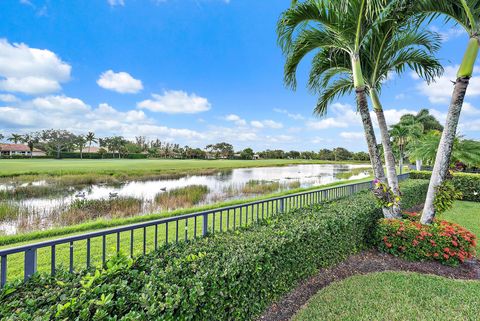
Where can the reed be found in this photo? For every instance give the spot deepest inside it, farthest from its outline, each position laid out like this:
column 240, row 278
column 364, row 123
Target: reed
column 181, row 197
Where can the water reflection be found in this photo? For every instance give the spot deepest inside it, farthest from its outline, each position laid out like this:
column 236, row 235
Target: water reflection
column 43, row 212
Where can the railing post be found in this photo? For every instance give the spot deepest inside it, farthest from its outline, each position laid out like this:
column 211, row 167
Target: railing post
column 205, row 224
column 282, row 205
column 30, row 263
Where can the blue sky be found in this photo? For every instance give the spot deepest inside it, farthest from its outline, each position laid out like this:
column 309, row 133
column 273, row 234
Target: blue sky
column 188, row 71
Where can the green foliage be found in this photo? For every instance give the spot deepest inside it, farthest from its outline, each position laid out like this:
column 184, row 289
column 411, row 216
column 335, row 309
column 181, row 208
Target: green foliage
column 226, row 276
column 441, row 241
column 467, row 184
column 445, row 195
column 384, row 194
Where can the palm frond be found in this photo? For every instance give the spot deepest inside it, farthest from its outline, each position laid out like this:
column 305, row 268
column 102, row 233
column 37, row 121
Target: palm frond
column 335, row 90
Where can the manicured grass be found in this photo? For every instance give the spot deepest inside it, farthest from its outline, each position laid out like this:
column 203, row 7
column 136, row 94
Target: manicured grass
column 127, row 167
column 466, row 214
column 395, row 296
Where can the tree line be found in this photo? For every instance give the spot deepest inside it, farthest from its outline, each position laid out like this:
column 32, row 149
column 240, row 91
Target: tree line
column 57, row 142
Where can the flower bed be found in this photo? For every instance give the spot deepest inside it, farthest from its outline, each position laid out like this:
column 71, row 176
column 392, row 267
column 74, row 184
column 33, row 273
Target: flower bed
column 441, row 241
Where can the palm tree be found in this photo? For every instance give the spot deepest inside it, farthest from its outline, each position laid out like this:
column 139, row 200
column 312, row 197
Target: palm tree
column 15, row 138
column 394, row 48
column 90, row 137
column 31, row 140
column 465, row 151
column 404, row 134
column 1, row 138
column 466, row 13
column 339, row 27
column 80, row 141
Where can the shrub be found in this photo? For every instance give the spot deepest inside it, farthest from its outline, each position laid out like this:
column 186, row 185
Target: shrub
column 226, row 276
column 467, row 184
column 441, row 241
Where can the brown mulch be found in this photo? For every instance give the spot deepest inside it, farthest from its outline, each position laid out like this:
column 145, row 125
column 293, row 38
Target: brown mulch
column 362, row 263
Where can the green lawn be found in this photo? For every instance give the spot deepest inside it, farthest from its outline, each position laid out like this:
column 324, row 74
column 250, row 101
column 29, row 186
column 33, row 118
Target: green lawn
column 395, row 296
column 16, row 167
column 467, row 214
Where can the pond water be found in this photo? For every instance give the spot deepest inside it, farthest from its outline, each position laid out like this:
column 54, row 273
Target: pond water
column 43, row 212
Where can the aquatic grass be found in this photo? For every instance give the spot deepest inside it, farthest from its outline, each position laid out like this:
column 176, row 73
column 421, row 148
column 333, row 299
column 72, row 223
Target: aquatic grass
column 82, row 210
column 9, row 211
column 102, row 223
column 181, row 197
column 353, row 172
column 260, row 187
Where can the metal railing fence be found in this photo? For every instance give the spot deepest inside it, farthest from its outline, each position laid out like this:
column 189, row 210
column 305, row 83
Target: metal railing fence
column 86, row 250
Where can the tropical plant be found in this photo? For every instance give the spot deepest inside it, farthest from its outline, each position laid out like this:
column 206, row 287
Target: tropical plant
column 15, row 138
column 466, row 151
column 80, row 142
column 57, row 140
column 336, row 28
column 390, row 46
column 465, row 13
column 404, row 134
column 90, row 137
column 31, row 140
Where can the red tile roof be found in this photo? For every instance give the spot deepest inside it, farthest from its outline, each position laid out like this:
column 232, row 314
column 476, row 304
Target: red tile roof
column 14, row 148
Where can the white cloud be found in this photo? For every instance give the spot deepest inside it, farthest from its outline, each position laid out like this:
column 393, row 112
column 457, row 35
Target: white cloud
column 176, row 102
column 236, row 119
column 352, row 135
column 343, row 116
column 120, row 82
column 30, row 70
column 8, row 98
column 61, row 104
column 450, row 33
column 291, row 115
column 441, row 90
column 266, row 124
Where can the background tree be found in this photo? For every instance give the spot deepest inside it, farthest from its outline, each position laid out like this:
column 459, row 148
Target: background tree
column 1, row 138
column 31, row 140
column 247, row 153
column 91, row 139
column 57, row 140
column 80, row 142
column 15, row 138
column 466, row 14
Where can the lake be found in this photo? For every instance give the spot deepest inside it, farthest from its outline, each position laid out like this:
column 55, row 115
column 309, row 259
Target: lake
column 76, row 204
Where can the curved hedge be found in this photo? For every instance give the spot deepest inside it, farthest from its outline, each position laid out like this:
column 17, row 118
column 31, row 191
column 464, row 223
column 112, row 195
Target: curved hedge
column 468, row 184
column 229, row 276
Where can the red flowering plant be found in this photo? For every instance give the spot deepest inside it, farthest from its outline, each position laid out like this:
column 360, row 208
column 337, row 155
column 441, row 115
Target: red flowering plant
column 441, row 241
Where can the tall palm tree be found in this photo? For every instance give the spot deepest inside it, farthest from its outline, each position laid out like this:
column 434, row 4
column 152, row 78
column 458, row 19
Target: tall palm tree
column 466, row 13
column 395, row 47
column 340, row 27
column 90, row 137
column 404, row 134
column 15, row 138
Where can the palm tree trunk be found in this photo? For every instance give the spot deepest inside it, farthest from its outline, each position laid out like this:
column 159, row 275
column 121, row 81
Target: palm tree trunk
column 444, row 152
column 418, row 164
column 387, row 149
column 375, row 159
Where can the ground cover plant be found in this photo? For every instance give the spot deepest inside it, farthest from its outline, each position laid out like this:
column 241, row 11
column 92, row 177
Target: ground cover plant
column 441, row 241
column 225, row 276
column 410, row 296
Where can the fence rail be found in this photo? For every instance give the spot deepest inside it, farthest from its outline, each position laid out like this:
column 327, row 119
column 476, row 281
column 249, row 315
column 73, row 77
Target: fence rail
column 86, row 250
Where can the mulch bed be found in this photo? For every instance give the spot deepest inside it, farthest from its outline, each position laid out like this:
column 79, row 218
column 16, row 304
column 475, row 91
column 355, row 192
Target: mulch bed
column 362, row 263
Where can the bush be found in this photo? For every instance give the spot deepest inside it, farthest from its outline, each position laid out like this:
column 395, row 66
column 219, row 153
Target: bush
column 86, row 155
column 441, row 241
column 226, row 276
column 467, row 184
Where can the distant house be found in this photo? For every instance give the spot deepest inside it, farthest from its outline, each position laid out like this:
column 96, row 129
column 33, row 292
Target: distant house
column 256, row 157
column 93, row 149
column 19, row 150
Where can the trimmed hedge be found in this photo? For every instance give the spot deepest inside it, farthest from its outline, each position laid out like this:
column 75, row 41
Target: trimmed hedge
column 467, row 184
column 105, row 156
column 227, row 276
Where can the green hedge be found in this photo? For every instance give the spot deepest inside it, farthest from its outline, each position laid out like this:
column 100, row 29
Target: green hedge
column 105, row 156
column 468, row 184
column 229, row 276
